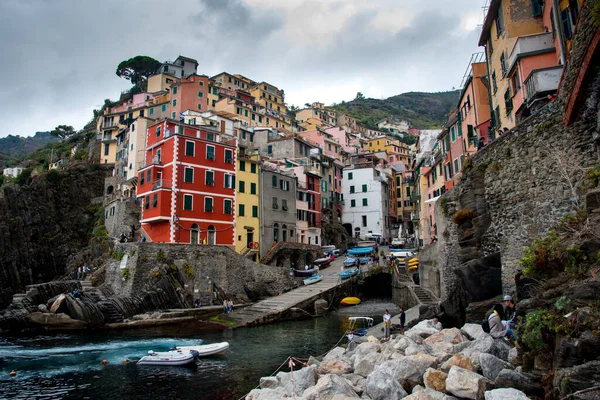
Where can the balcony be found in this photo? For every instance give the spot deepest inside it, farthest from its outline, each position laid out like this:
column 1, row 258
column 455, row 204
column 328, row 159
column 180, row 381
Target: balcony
column 542, row 82
column 414, row 197
column 107, row 138
column 110, row 125
column 312, row 170
column 161, row 184
column 530, row 45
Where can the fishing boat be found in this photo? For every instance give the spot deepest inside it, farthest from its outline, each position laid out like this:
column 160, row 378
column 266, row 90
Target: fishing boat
column 348, row 274
column 359, row 326
column 304, row 272
column 313, row 279
column 323, row 262
column 205, row 349
column 360, row 251
column 349, row 262
column 168, row 358
column 350, row 301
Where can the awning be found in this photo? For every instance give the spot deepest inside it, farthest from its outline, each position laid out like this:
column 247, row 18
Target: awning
column 432, row 200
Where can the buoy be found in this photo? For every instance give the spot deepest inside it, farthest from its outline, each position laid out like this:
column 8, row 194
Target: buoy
column 104, row 362
column 12, row 373
column 125, row 360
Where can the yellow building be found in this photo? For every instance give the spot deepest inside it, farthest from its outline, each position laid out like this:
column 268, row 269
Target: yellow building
column 399, row 151
column 269, row 97
column 504, row 23
column 247, row 199
column 159, row 82
column 317, row 115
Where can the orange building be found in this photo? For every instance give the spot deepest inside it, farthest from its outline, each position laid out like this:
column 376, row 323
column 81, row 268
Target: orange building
column 190, row 93
column 187, row 184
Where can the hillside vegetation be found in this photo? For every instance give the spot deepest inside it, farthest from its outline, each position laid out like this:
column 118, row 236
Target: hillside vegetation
column 13, row 148
column 422, row 110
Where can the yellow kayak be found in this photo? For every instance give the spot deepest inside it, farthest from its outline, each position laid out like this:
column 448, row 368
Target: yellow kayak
column 412, row 268
column 350, row 301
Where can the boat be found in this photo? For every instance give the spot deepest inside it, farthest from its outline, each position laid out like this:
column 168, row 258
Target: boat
column 348, row 274
column 358, row 326
column 313, row 279
column 349, row 262
column 204, row 350
column 350, row 301
column 168, row 358
column 367, row 243
column 304, row 272
column 360, row 251
column 323, row 262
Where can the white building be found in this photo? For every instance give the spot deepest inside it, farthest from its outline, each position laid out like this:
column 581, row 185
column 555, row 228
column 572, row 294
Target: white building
column 182, row 67
column 13, row 172
column 366, row 205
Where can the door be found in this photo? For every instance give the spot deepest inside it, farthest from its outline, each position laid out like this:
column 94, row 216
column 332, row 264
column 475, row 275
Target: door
column 249, row 237
column 194, row 235
column 212, row 235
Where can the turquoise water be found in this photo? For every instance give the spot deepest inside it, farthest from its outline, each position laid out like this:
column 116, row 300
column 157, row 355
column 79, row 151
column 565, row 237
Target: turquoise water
column 70, row 365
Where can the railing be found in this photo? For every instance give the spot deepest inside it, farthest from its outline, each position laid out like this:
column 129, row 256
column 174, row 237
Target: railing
column 161, row 184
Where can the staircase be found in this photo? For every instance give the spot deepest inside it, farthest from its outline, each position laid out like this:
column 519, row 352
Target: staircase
column 111, row 311
column 422, row 295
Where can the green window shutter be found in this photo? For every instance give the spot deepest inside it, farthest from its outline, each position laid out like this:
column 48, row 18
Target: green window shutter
column 189, row 175
column 253, row 168
column 270, row 149
column 242, row 165
column 164, row 108
column 210, row 152
column 274, row 202
column 364, row 188
column 200, row 94
column 189, row 149
column 242, row 185
column 227, row 207
column 187, row 202
column 175, row 90
column 537, row 8
column 365, row 202
column 155, row 200
column 274, row 181
column 208, row 204
column 254, row 211
column 351, row 189
column 151, row 111
column 350, row 175
column 453, row 133
column 352, row 203
column 456, row 166
column 241, row 210
column 252, row 188
column 174, row 102
column 210, row 178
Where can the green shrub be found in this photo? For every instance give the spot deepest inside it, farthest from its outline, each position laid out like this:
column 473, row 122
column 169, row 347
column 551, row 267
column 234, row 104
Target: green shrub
column 155, row 272
column 173, row 267
column 53, row 176
column 24, row 177
column 495, row 166
column 188, row 271
column 535, row 330
column 542, row 255
column 117, row 255
column 562, row 303
column 592, row 176
column 575, row 261
column 100, row 231
column 160, row 256
column 125, row 273
column 464, row 215
column 507, row 152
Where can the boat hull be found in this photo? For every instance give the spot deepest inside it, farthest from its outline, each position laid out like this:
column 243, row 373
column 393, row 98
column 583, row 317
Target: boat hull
column 206, row 349
column 168, row 359
column 304, row 272
column 312, row 280
column 350, row 301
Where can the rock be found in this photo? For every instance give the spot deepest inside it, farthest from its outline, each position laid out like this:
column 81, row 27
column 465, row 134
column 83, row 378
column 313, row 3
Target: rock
column 571, row 352
column 267, row 394
column 408, row 370
column 269, row 382
column 335, row 354
column 513, row 356
column 417, row 388
column 58, row 321
column 457, row 348
column 484, row 344
column 529, row 384
column 42, row 308
column 367, row 348
column 435, row 379
column 330, row 387
column 467, row 384
column 423, row 330
column 500, row 349
column 313, row 361
column 337, row 367
column 382, row 386
column 403, row 342
column 580, row 377
column 417, row 349
column 473, row 356
column 448, row 336
column 372, row 339
column 491, row 366
column 303, row 379
column 415, row 337
column 459, row 360
column 429, row 394
column 364, row 365
column 474, row 331
column 57, row 303
column 505, row 394
column 358, row 382
column 543, row 362
column 321, row 306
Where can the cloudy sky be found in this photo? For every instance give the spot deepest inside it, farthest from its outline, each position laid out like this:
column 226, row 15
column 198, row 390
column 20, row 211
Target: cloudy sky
column 60, row 56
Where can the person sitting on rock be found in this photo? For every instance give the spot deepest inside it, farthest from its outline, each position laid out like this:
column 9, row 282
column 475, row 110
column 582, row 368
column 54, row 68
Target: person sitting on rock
column 497, row 329
column 437, row 324
column 508, row 317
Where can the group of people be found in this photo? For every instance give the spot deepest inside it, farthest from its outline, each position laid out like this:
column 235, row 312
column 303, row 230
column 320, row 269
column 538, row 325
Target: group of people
column 387, row 322
column 81, row 271
column 502, row 319
column 228, row 305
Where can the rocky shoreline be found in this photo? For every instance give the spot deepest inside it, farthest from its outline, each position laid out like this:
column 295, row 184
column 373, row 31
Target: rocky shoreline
column 422, row 364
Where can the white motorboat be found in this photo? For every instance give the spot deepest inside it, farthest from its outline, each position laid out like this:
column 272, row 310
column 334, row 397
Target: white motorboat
column 168, row 358
column 206, row 349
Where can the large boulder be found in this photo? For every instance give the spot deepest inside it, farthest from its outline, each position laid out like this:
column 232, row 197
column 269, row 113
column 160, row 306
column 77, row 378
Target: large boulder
column 569, row 380
column 467, row 384
column 429, row 394
column 402, row 343
column 358, row 382
column 459, row 360
column 57, row 303
column 56, row 322
column 505, row 394
column 408, row 370
column 513, row 356
column 383, row 386
column 301, row 380
column 337, row 367
column 527, row 383
column 435, row 379
column 491, row 365
column 330, row 387
column 337, row 353
column 367, row 348
column 500, row 348
column 267, row 394
column 364, row 365
column 422, row 330
column 475, row 331
column 445, row 339
column 268, row 382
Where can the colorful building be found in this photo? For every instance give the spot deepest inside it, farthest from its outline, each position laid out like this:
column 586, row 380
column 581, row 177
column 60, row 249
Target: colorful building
column 187, row 185
column 247, row 198
column 278, row 203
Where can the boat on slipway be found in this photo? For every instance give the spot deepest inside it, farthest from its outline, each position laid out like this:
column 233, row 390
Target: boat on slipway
column 324, row 261
column 304, row 272
column 313, row 279
column 348, row 274
column 205, row 350
column 168, row 358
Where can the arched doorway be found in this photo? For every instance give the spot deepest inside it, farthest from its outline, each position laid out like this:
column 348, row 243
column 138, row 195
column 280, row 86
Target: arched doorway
column 280, row 261
column 110, row 190
column 212, row 235
column 276, row 232
column 194, row 234
column 284, row 233
column 348, row 228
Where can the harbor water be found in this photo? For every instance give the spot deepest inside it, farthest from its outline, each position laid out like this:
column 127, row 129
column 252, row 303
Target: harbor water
column 70, row 365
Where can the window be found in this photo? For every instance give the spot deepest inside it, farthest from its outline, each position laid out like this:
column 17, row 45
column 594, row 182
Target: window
column 456, row 165
column 242, row 186
column 537, row 8
column 494, row 84
column 189, row 149
column 462, row 160
column 253, row 168
column 508, row 101
column 453, row 134
column 566, row 24
column 228, row 156
column 147, row 203
column 242, row 165
column 188, row 200
column 245, row 113
column 148, row 176
column 210, row 178
column 164, row 108
column 274, row 181
column 497, row 114
column 503, row 64
column 284, row 206
column 269, row 149
column 499, row 21
column 241, row 210
column 208, row 204
column 351, row 189
column 201, row 83
column 252, row 188
column 155, row 200
column 106, row 149
column 199, row 108
column 275, row 206
column 254, row 211
column 227, row 206
column 151, row 111
column 174, row 102
column 364, row 221
column 210, row 152
column 174, row 90
column 188, row 176
column 349, row 175
column 229, row 181
column 352, row 203
column 200, row 94
column 173, row 115
column 364, row 188
column 158, row 131
column 365, row 202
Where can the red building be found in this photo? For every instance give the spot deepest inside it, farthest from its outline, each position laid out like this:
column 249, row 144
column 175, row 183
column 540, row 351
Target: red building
column 187, row 184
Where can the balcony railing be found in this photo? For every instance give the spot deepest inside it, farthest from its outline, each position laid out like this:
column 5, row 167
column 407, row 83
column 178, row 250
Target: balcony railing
column 161, row 184
column 107, row 137
column 541, row 82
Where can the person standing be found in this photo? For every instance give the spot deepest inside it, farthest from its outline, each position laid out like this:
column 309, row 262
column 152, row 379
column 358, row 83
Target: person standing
column 225, row 306
column 386, row 325
column 84, row 271
column 402, row 320
column 508, row 316
column 79, row 273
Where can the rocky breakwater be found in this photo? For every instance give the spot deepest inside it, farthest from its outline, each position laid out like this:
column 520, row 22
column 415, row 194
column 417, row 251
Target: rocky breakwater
column 422, row 364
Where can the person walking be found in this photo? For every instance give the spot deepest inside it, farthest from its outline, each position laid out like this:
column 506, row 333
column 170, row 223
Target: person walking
column 386, row 325
column 402, row 320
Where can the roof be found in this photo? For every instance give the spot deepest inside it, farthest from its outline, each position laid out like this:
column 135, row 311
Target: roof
column 489, row 19
column 186, row 59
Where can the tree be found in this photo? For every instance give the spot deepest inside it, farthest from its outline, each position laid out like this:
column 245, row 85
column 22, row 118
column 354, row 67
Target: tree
column 138, row 69
column 63, row 131
column 360, row 96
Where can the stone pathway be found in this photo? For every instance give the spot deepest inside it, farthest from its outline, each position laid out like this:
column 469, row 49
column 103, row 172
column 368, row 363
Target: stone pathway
column 412, row 314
